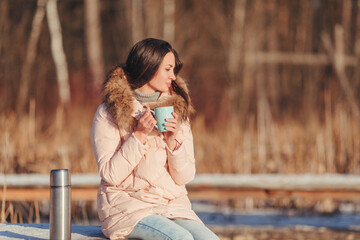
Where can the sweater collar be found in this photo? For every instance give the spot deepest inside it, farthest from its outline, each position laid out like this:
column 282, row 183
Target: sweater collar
column 146, row 98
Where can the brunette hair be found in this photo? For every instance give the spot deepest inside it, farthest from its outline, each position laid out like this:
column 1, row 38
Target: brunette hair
column 144, row 60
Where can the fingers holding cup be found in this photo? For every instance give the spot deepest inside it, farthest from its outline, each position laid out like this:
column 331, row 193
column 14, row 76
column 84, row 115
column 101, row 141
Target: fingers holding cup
column 172, row 123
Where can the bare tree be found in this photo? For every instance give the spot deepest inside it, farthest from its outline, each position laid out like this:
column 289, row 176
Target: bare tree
column 3, row 19
column 153, row 18
column 58, row 51
column 263, row 109
column 273, row 46
column 30, row 55
column 137, row 17
column 94, row 42
column 304, row 35
column 336, row 54
column 4, row 39
column 346, row 22
column 357, row 43
column 169, row 20
column 357, row 33
column 235, row 53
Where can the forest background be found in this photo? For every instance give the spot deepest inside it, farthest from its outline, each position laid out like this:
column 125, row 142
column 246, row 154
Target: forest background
column 276, row 83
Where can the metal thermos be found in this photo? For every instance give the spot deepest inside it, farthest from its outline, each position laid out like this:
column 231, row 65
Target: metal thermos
column 60, row 205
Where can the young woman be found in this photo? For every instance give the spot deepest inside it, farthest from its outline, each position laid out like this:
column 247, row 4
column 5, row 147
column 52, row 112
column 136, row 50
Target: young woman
column 143, row 172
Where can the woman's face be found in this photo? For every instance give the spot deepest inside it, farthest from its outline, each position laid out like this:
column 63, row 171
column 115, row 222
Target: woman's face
column 161, row 81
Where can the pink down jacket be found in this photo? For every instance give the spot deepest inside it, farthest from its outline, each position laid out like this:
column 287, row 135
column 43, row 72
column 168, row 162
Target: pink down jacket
column 138, row 180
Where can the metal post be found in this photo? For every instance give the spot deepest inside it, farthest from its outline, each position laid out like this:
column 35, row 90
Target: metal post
column 60, row 204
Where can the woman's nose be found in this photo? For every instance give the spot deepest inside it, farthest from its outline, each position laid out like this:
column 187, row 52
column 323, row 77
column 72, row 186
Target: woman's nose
column 172, row 76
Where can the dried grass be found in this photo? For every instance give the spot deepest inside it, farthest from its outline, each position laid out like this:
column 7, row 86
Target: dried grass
column 37, row 144
column 332, row 145
column 32, row 145
column 315, row 146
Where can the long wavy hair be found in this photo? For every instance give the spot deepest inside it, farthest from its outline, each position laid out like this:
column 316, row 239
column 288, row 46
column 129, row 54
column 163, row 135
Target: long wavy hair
column 144, row 60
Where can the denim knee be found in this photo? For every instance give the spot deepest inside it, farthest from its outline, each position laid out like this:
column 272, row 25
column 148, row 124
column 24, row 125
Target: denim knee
column 183, row 235
column 156, row 227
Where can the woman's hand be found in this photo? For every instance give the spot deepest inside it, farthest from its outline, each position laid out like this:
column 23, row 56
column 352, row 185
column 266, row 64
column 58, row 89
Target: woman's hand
column 173, row 127
column 145, row 125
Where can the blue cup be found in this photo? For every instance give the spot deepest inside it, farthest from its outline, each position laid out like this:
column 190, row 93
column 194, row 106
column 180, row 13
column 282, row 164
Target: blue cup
column 161, row 114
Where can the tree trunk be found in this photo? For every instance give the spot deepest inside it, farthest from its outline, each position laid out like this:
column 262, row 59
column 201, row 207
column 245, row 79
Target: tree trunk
column 273, row 46
column 30, row 56
column 58, row 51
column 356, row 165
column 3, row 22
column 336, row 54
column 4, row 39
column 169, row 21
column 235, row 53
column 153, row 18
column 236, row 38
column 357, row 46
column 346, row 22
column 235, row 56
column 137, row 20
column 357, row 33
column 94, row 42
column 303, row 41
column 263, row 110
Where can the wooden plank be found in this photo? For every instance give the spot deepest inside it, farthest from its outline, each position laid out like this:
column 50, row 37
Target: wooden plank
column 37, row 194
column 223, row 194
column 90, row 194
column 203, row 187
column 43, row 180
column 336, row 195
column 27, row 194
column 84, row 193
column 308, row 182
column 279, row 182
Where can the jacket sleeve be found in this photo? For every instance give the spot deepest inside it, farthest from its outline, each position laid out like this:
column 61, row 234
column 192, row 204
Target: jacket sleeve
column 181, row 161
column 115, row 159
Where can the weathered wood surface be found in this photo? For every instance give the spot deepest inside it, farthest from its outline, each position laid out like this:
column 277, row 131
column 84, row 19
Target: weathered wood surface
column 41, row 231
column 28, row 187
column 89, row 194
column 279, row 182
column 244, row 181
column 292, row 233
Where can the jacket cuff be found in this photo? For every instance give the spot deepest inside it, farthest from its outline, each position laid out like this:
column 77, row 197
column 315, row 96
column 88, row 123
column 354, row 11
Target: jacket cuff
column 177, row 147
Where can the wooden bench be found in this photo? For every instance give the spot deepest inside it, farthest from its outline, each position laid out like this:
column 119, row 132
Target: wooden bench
column 33, row 187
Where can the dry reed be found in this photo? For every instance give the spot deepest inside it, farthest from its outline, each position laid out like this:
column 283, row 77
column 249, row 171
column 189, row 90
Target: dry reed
column 289, row 146
column 38, row 143
column 35, row 144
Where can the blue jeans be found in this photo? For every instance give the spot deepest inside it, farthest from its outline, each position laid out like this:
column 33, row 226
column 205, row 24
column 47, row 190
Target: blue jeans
column 156, row 227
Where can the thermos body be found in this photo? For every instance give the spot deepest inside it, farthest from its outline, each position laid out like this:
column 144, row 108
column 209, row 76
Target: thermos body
column 60, row 205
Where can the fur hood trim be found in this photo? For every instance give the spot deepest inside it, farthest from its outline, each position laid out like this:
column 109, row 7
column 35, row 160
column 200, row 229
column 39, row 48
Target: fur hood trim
column 124, row 108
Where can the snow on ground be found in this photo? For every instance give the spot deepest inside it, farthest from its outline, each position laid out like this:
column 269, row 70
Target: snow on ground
column 41, row 232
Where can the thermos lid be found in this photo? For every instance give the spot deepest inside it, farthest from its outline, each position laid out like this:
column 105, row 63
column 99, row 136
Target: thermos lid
column 59, row 178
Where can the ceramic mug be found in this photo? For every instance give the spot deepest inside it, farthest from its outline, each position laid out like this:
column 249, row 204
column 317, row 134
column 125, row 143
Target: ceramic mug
column 161, row 114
